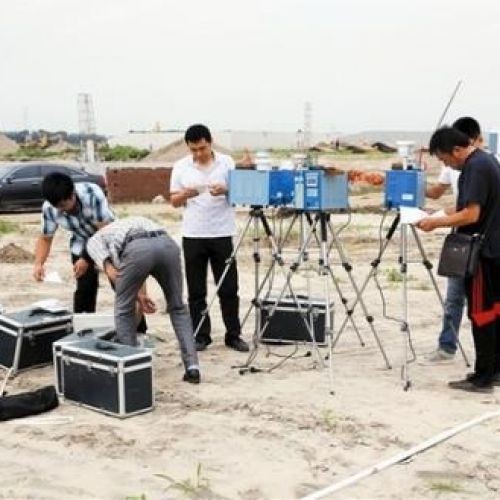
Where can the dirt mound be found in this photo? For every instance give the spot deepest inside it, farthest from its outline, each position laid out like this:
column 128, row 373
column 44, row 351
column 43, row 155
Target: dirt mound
column 177, row 150
column 13, row 254
column 7, row 145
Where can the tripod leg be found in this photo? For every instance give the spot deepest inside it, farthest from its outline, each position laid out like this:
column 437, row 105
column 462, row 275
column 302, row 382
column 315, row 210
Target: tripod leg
column 343, row 300
column 326, row 280
column 405, row 329
column 374, row 268
column 348, row 268
column 277, row 259
column 229, row 262
column 428, row 266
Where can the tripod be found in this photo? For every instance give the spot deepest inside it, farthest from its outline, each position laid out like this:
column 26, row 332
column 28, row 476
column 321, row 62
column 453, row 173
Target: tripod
column 403, row 261
column 257, row 217
column 322, row 219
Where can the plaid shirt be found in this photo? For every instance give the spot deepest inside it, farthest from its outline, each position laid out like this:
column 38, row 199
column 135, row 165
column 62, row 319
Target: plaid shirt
column 109, row 242
column 92, row 209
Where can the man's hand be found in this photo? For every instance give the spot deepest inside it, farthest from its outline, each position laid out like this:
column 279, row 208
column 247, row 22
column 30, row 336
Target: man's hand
column 190, row 193
column 146, row 304
column 110, row 271
column 39, row 271
column 217, row 189
column 80, row 267
column 428, row 224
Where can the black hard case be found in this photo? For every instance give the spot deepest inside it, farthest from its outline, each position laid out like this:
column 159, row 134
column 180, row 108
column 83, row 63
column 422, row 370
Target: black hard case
column 26, row 337
column 111, row 378
column 287, row 326
column 102, row 333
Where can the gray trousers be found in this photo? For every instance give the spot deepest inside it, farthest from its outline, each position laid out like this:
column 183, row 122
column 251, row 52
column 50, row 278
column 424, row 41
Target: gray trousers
column 160, row 258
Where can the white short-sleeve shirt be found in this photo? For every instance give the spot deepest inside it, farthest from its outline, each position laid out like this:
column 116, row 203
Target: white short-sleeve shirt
column 205, row 216
column 449, row 176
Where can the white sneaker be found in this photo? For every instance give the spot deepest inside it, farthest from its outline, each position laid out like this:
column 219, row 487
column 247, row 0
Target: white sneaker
column 439, row 356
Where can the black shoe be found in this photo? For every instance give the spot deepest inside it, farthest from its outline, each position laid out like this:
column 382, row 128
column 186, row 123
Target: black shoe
column 237, row 344
column 471, row 377
column 192, row 376
column 469, row 386
column 202, row 344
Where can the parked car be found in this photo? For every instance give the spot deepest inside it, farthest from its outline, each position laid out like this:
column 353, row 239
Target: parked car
column 21, row 183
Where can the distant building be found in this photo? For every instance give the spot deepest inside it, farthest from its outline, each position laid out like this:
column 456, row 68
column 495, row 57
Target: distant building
column 232, row 140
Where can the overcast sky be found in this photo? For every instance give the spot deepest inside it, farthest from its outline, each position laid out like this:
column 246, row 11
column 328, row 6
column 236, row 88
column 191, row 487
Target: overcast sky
column 363, row 64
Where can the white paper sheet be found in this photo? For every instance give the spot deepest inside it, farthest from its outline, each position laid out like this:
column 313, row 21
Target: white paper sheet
column 413, row 215
column 50, row 305
column 52, row 277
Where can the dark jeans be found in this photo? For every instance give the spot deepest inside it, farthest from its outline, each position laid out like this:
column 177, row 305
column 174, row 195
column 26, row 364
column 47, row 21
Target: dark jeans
column 85, row 296
column 198, row 253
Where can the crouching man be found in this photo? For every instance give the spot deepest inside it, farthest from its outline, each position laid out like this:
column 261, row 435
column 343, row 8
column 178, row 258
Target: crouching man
column 128, row 251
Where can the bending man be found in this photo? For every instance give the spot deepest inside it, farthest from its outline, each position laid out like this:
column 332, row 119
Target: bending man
column 129, row 250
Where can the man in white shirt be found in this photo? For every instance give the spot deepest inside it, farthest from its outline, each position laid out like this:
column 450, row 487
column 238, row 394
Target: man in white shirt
column 455, row 291
column 199, row 183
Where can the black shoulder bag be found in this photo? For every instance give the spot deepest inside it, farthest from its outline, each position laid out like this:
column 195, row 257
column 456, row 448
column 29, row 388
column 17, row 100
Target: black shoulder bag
column 461, row 253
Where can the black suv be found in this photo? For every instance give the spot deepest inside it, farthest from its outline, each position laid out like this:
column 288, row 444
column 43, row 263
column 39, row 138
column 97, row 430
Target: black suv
column 21, row 183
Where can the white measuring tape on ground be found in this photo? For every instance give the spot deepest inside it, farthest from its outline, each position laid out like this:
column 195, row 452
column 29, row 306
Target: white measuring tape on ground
column 400, row 457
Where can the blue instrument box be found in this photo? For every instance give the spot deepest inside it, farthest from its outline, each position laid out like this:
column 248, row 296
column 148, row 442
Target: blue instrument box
column 261, row 187
column 318, row 190
column 404, row 188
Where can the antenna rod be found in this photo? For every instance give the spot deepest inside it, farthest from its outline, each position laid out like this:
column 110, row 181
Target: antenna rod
column 459, row 83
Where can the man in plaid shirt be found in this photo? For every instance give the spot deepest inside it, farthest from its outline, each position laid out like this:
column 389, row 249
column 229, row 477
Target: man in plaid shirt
column 81, row 209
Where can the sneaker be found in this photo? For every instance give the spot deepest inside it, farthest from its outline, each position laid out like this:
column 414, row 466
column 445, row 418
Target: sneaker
column 192, row 376
column 440, row 356
column 470, row 386
column 237, row 344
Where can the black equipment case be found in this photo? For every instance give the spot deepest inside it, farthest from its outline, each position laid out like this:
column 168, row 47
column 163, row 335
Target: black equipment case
column 287, row 325
column 108, row 377
column 102, row 333
column 26, row 337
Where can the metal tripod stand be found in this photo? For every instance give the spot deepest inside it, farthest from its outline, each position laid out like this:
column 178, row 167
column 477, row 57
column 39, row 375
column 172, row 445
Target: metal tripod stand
column 403, row 261
column 257, row 218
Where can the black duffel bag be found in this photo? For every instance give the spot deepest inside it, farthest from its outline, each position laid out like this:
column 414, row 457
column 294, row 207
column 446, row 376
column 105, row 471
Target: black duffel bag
column 28, row 403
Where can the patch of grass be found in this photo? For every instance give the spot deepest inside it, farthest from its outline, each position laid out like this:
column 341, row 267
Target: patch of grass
column 446, row 487
column 191, row 487
column 8, row 227
column 393, row 275
column 329, row 420
column 136, row 497
column 123, row 153
column 423, row 286
column 122, row 213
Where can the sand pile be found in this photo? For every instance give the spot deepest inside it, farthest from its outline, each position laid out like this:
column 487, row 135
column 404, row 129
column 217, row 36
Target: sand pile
column 14, row 254
column 177, row 150
column 60, row 147
column 7, row 145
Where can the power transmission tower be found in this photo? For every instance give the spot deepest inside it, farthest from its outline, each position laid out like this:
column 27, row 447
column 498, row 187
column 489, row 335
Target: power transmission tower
column 86, row 122
column 307, row 125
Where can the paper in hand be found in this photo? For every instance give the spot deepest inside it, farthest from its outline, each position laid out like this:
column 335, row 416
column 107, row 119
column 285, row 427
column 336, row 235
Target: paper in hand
column 412, row 215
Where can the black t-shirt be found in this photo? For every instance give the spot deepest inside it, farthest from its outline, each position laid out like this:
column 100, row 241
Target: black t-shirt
column 479, row 183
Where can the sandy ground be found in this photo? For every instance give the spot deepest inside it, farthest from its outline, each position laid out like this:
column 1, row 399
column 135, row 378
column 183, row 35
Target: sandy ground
column 277, row 435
